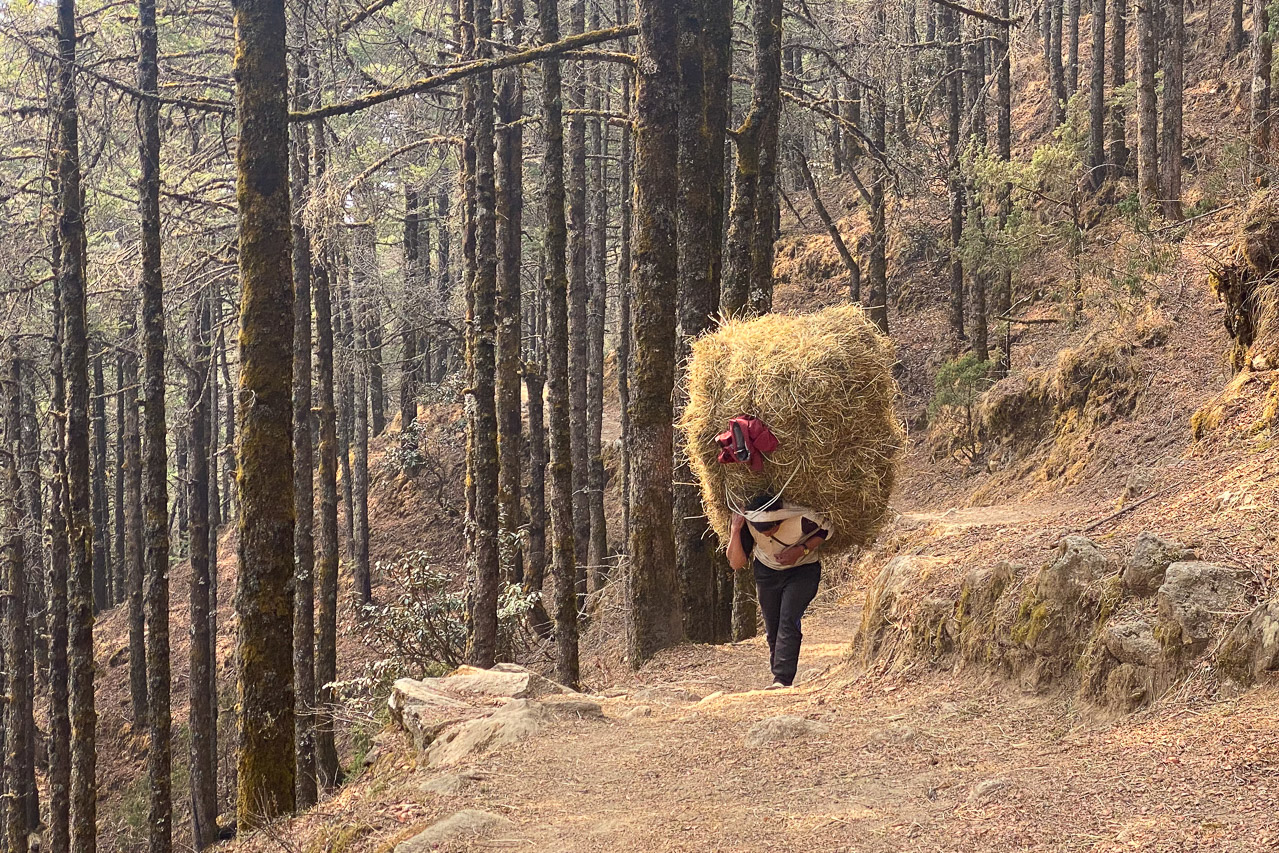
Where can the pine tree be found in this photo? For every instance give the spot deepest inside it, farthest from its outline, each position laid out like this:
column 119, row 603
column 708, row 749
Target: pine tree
column 563, row 550
column 654, row 621
column 266, row 768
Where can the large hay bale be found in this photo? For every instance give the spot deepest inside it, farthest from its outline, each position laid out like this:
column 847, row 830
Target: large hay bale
column 823, row 383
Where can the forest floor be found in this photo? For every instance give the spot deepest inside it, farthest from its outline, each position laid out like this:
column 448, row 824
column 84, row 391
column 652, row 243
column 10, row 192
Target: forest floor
column 908, row 759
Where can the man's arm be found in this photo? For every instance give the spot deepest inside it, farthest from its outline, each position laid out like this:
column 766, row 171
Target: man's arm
column 737, row 556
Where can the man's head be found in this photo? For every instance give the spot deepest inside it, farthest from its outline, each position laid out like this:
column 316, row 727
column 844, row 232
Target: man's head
column 764, row 501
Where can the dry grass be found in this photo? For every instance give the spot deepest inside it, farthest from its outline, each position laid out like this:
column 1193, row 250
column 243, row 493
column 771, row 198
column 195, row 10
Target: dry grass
column 823, row 383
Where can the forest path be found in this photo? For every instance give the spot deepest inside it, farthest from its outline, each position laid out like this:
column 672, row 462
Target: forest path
column 915, row 760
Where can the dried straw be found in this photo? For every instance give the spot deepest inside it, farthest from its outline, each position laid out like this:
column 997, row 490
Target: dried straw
column 823, row 383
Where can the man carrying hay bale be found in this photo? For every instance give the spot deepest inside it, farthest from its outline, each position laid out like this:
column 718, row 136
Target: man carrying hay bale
column 822, row 385
column 781, row 542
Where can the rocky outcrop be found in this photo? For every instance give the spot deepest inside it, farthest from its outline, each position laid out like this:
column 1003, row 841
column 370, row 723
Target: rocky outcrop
column 468, row 824
column 1122, row 633
column 473, row 711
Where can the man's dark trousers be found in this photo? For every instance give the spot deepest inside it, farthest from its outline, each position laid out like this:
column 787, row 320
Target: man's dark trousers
column 783, row 597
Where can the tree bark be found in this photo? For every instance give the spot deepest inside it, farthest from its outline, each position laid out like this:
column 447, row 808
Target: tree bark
column 627, row 190
column 133, row 541
column 60, row 735
column 1056, row 70
column 102, row 592
column 955, row 179
column 33, row 505
column 652, row 588
column 326, row 757
column 1260, row 123
column 1097, row 98
column 510, row 223
column 578, row 296
column 72, row 281
column 155, row 493
column 1118, row 78
column 766, row 89
column 444, row 292
column 361, row 569
column 411, row 363
column 878, row 217
column 563, row 572
column 266, row 769
column 1147, row 118
column 482, row 447
column 303, row 465
column 1174, row 92
column 703, row 24
column 1004, row 291
column 596, row 308
column 20, row 723
column 1237, row 36
column 202, row 712
column 1072, row 47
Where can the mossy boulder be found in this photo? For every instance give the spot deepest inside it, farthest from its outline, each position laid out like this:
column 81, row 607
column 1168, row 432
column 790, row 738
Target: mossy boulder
column 1194, row 601
column 1252, row 648
column 1077, row 567
column 1151, row 557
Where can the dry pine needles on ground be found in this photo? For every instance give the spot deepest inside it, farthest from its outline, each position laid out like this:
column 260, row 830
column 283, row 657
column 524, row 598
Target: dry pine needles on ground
column 823, row 383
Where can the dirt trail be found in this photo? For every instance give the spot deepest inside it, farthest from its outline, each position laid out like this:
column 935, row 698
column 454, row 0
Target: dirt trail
column 924, row 761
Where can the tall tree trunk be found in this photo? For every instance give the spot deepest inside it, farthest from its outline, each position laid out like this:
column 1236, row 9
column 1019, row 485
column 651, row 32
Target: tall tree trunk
column 229, row 462
column 955, row 179
column 483, row 445
column 155, row 492
column 703, row 24
column 19, row 757
column 326, row 757
column 32, row 483
column 444, row 292
column 1261, row 59
column 1118, row 78
column 60, row 735
column 652, row 588
column 181, row 465
column 215, row 522
column 303, row 466
column 102, row 592
column 133, row 541
column 975, row 110
column 1056, row 70
column 1174, row 92
column 766, row 90
column 1004, row 291
column 410, row 366
column 75, row 336
column 360, row 477
column 202, row 715
column 627, row 189
column 1147, row 118
column 596, row 308
column 563, row 571
column 578, row 296
column 1072, row 47
column 1237, row 37
column 266, row 767
column 510, row 224
column 119, row 582
column 878, row 216
column 346, row 400
column 1097, row 97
